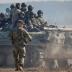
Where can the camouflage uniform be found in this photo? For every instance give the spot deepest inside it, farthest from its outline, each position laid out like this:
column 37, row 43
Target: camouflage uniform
column 33, row 23
column 19, row 40
column 40, row 20
column 27, row 17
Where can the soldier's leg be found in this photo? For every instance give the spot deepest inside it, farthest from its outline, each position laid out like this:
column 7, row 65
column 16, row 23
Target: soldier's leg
column 15, row 54
column 22, row 53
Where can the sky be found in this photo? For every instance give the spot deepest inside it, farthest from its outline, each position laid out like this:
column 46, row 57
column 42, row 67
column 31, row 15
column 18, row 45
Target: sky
column 55, row 12
column 11, row 1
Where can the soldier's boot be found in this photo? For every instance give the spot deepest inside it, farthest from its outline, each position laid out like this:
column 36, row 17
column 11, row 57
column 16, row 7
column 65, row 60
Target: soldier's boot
column 17, row 67
column 21, row 69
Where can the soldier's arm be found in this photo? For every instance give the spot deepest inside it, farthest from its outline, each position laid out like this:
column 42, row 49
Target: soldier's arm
column 28, row 35
column 30, row 23
column 46, row 24
column 25, row 33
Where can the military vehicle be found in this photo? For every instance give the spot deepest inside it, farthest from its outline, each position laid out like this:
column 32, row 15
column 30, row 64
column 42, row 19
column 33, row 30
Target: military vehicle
column 35, row 49
column 37, row 53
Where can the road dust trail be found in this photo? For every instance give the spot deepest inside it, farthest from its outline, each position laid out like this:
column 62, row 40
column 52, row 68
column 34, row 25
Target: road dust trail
column 56, row 46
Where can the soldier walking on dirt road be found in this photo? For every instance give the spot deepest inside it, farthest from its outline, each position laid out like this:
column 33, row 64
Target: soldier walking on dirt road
column 19, row 39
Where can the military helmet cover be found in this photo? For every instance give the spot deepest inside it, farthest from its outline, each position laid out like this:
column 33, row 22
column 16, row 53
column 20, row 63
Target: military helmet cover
column 30, row 7
column 12, row 6
column 40, row 12
column 23, row 5
column 17, row 5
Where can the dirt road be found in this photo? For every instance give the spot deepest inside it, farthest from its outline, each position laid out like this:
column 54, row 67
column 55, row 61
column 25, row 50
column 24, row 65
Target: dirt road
column 32, row 70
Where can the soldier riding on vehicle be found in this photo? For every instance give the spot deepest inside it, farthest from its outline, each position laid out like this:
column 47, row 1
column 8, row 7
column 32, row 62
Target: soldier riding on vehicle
column 41, row 21
column 27, row 17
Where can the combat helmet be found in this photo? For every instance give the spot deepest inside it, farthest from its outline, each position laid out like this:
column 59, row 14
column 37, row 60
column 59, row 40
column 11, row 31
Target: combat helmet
column 17, row 5
column 12, row 6
column 40, row 12
column 23, row 5
column 30, row 7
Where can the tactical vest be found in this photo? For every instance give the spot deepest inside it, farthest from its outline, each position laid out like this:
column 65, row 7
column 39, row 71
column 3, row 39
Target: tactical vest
column 19, row 39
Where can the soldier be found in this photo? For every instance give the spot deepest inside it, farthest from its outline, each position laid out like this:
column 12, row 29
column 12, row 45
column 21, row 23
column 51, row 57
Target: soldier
column 40, row 20
column 15, row 14
column 24, row 7
column 33, row 22
column 27, row 16
column 12, row 10
column 19, row 40
column 30, row 10
column 2, row 21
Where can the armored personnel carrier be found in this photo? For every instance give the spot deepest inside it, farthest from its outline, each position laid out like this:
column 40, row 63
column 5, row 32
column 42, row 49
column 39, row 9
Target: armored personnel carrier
column 35, row 50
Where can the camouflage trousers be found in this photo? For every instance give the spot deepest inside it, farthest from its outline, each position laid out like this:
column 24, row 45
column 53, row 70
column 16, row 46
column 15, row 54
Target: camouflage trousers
column 19, row 56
